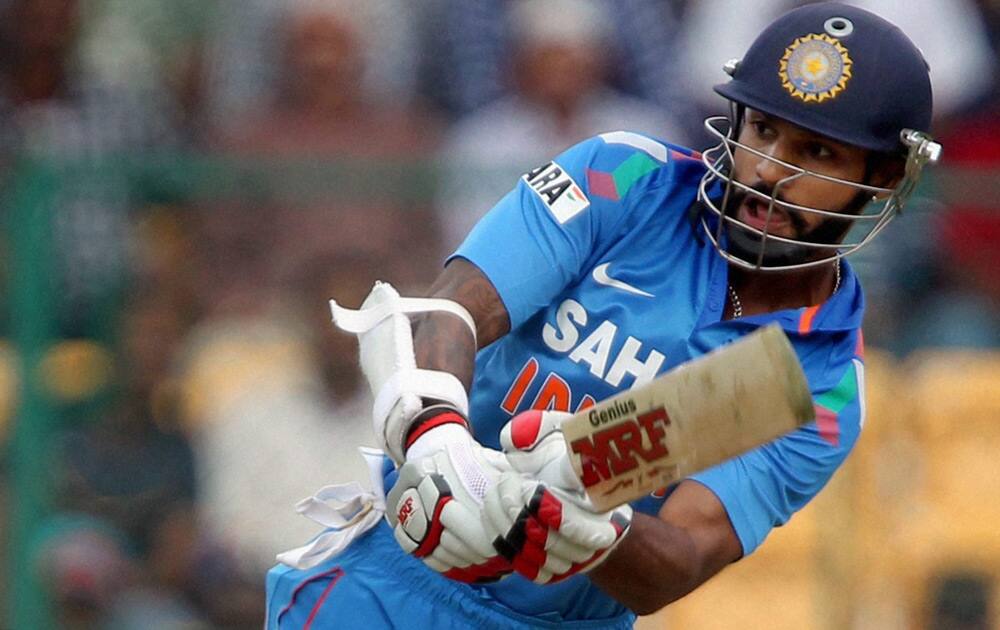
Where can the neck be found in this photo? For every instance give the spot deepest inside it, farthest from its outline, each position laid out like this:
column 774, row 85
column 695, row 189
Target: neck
column 765, row 292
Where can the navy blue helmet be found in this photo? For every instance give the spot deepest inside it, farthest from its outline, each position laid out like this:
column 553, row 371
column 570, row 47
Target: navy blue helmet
column 837, row 70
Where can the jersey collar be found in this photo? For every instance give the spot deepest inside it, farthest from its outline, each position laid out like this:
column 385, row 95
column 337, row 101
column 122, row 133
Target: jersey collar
column 842, row 311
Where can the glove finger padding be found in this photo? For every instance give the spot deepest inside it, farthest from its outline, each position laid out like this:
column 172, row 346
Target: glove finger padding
column 562, row 547
column 416, row 503
column 463, row 534
column 436, row 519
column 546, row 537
column 534, row 445
column 503, row 504
column 528, row 430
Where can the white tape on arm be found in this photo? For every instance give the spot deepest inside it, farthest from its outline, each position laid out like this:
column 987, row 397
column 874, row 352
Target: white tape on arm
column 385, row 339
column 363, row 320
column 433, row 384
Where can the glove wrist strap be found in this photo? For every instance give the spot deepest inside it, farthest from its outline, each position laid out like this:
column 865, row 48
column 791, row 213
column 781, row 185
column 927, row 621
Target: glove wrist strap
column 434, row 427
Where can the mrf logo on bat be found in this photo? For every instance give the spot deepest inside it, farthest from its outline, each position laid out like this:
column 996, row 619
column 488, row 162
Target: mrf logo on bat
column 615, row 451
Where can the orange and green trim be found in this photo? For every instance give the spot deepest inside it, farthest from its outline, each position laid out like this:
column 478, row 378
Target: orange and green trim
column 806, row 319
column 829, row 405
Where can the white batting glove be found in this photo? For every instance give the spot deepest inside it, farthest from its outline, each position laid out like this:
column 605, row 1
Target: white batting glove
column 435, row 506
column 547, row 531
column 534, row 445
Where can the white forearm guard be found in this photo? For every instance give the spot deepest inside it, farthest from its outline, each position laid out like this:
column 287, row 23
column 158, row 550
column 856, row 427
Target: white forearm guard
column 388, row 362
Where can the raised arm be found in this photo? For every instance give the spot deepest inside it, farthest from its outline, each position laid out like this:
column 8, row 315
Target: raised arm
column 441, row 341
column 420, row 372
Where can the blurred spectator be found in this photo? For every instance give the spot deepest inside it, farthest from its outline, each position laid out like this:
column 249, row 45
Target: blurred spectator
column 962, row 601
column 559, row 74
column 320, row 90
column 72, row 125
column 133, row 466
column 154, row 46
column 938, row 286
column 245, row 65
column 95, row 582
column 134, row 42
column 84, row 565
column 189, row 572
column 277, row 409
column 960, row 305
column 467, row 46
column 354, row 171
column 135, row 470
column 328, row 208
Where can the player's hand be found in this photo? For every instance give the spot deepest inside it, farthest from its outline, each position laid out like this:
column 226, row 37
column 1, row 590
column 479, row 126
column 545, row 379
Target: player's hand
column 546, row 534
column 436, row 504
column 534, row 445
column 547, row 531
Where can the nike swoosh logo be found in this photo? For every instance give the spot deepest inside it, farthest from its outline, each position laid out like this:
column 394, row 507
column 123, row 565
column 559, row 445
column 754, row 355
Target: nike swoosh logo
column 601, row 277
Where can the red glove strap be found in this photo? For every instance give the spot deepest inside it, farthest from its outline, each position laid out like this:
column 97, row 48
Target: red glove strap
column 431, row 418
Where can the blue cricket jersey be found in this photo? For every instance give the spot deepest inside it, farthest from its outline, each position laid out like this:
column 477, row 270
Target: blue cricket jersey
column 608, row 283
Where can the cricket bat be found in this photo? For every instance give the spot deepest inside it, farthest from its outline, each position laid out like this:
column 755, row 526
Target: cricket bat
column 699, row 414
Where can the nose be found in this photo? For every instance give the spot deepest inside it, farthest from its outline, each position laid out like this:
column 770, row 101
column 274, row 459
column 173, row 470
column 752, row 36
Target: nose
column 768, row 170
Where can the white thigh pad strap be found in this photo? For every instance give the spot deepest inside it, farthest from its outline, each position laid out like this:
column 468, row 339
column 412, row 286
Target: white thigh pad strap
column 385, row 340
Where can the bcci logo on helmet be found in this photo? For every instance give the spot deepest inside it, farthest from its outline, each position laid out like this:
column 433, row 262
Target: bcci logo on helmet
column 815, row 68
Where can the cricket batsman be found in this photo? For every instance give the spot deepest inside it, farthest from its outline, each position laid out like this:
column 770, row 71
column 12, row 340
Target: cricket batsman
column 620, row 259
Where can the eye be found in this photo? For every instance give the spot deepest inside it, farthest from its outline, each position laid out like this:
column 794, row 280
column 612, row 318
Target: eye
column 819, row 151
column 762, row 129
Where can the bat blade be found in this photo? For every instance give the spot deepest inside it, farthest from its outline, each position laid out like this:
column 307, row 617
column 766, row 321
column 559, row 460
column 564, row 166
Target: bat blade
column 699, row 414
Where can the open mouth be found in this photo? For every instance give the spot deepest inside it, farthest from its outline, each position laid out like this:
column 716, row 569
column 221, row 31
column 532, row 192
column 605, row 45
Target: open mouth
column 753, row 211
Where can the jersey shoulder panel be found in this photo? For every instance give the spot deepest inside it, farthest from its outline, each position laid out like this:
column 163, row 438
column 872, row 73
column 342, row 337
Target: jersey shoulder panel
column 611, row 163
column 564, row 214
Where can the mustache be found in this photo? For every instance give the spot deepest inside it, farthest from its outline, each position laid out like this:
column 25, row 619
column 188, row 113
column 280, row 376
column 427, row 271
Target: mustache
column 766, row 193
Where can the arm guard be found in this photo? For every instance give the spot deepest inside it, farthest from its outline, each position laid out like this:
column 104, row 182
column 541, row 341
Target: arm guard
column 385, row 340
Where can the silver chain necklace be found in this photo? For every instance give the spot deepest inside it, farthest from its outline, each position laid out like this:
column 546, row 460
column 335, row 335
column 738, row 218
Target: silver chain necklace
column 738, row 306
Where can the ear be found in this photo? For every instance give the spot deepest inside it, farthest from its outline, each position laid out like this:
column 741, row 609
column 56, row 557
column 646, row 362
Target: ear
column 885, row 171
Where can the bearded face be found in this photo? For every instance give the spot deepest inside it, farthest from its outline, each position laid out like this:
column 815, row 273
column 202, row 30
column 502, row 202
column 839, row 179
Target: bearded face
column 781, row 201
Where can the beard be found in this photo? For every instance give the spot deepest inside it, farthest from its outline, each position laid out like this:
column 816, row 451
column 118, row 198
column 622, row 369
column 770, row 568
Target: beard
column 748, row 245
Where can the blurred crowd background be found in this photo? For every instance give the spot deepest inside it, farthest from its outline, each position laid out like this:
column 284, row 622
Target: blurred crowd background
column 186, row 183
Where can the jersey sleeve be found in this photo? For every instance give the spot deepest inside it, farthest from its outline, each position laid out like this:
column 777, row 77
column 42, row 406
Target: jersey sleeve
column 765, row 487
column 540, row 237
